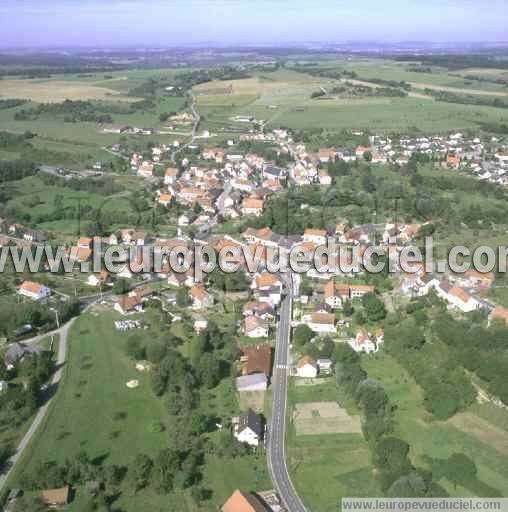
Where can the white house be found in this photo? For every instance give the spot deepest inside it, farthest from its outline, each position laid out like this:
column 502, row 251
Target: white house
column 256, row 327
column 170, row 175
column 363, row 343
column 200, row 297
column 315, row 236
column 34, row 291
column 321, row 323
column 307, row 368
column 248, row 428
column 97, row 279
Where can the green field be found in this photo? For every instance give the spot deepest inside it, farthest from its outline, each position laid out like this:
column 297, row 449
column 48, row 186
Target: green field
column 94, row 411
column 327, row 467
column 289, row 92
column 432, row 441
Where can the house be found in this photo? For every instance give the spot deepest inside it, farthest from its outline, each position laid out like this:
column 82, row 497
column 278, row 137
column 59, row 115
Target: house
column 325, row 365
column 363, row 343
column 321, row 323
column 357, row 291
column 80, row 254
column 56, row 498
column 256, row 327
column 361, row 150
column 243, row 502
column 165, row 199
column 17, row 351
column 460, row 299
column 201, row 299
column 128, row 304
column 200, row 324
column 257, row 359
column 252, row 206
column 84, row 242
column 307, row 368
column 452, row 161
column 248, row 428
column 471, row 277
column 260, row 309
column 170, row 175
column 254, row 382
column 324, row 177
column 145, row 170
column 326, row 155
column 266, row 281
column 336, row 294
column 98, row 279
column 315, row 236
column 34, row 291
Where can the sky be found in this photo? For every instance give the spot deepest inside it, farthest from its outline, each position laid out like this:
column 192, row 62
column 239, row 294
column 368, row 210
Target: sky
column 96, row 23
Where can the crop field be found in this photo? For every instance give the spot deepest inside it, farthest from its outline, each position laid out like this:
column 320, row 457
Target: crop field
column 324, row 418
column 54, row 91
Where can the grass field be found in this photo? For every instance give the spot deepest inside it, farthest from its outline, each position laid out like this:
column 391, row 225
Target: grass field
column 94, row 411
column 54, row 91
column 474, row 433
column 324, row 418
column 326, row 467
column 283, row 98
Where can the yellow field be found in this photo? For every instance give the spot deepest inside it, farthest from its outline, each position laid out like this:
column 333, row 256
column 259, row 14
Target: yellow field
column 54, row 91
column 486, row 72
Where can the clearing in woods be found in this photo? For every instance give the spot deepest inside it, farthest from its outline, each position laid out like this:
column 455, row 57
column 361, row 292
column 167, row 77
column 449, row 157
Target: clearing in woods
column 324, row 418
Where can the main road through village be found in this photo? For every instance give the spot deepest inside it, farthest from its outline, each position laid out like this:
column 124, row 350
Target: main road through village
column 277, row 428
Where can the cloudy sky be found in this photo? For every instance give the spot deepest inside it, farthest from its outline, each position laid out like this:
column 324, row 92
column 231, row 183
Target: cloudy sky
column 44, row 23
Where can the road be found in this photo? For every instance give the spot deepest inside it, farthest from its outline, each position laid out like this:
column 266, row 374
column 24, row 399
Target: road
column 197, row 119
column 277, row 428
column 41, row 413
column 63, row 332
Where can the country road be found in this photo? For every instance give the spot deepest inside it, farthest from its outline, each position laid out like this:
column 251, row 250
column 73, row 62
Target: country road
column 63, row 332
column 277, row 428
column 197, row 119
column 41, row 413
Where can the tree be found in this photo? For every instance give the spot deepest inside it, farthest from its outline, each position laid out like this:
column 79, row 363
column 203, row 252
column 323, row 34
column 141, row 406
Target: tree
column 134, row 348
column 29, row 504
column 374, row 307
column 460, row 469
column 302, row 335
column 121, row 286
column 391, row 459
column 140, row 471
column 182, row 298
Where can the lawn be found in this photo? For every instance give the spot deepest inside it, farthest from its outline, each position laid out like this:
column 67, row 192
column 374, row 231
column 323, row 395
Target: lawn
column 431, row 440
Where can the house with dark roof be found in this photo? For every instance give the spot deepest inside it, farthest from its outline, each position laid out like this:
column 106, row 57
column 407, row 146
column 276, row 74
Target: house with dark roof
column 248, row 428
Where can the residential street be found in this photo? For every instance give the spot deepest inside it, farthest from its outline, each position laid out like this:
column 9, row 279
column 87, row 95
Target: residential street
column 277, row 429
column 41, row 413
